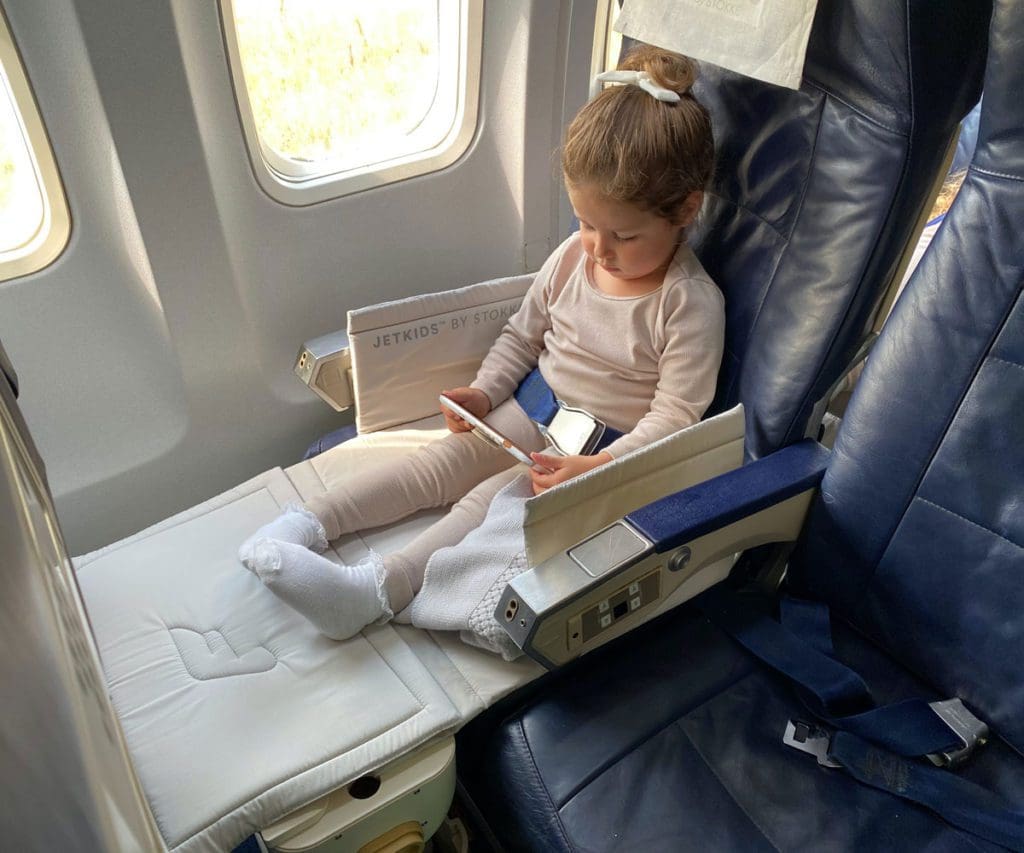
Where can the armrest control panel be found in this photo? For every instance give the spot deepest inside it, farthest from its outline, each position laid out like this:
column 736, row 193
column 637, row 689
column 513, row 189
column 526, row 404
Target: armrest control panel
column 657, row 557
column 585, row 626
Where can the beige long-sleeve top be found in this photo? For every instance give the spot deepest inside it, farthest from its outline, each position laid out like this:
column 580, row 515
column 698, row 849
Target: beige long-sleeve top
column 645, row 365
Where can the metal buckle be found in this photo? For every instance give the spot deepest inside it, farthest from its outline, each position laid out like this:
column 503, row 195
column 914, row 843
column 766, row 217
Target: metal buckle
column 573, row 431
column 809, row 738
column 971, row 731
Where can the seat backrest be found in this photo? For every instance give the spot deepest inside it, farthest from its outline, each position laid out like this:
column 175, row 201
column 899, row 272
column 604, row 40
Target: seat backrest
column 818, row 192
column 918, row 536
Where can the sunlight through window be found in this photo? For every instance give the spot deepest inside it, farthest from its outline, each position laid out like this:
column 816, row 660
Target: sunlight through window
column 34, row 224
column 345, row 88
column 21, row 200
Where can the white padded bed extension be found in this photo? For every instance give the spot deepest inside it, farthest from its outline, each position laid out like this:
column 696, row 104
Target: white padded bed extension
column 237, row 711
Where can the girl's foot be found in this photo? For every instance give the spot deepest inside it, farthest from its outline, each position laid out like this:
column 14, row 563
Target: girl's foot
column 339, row 600
column 296, row 525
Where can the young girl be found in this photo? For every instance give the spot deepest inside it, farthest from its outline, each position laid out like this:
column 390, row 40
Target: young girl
column 621, row 321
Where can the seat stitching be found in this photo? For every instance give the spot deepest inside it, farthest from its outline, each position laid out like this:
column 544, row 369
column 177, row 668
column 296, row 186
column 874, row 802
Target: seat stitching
column 217, row 503
column 771, row 226
column 290, row 779
column 995, row 174
column 799, row 214
column 461, row 674
column 983, row 354
column 540, row 783
column 827, row 91
column 725, row 787
column 633, row 746
column 1007, row 361
column 199, row 677
column 413, row 690
column 972, row 523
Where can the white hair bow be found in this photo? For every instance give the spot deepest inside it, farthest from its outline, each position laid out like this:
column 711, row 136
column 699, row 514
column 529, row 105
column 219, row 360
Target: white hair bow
column 634, row 78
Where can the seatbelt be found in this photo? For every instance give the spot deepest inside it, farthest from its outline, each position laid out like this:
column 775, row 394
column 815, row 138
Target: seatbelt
column 801, row 649
column 536, row 398
column 958, row 801
column 831, row 690
column 571, row 430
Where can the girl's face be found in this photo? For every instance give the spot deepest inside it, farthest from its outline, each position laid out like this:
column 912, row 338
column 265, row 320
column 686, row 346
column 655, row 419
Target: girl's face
column 627, row 243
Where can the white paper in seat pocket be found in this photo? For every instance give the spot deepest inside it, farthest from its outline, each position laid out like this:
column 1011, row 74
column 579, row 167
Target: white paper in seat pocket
column 762, row 39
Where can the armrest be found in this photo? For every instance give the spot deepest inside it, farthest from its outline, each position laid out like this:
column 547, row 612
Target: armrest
column 325, row 365
column 658, row 556
column 723, row 500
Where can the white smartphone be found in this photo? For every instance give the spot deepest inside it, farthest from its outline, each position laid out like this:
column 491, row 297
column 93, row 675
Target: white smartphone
column 485, row 430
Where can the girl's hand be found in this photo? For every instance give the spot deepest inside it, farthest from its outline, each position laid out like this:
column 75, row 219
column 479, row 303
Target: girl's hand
column 472, row 399
column 562, row 468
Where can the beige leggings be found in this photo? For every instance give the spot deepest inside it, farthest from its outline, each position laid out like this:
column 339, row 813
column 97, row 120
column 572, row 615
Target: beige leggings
column 458, row 469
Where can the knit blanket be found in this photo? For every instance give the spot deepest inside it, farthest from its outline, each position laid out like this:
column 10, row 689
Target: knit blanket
column 463, row 582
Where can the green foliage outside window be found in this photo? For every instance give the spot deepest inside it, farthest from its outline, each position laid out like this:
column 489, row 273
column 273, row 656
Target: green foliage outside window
column 328, row 78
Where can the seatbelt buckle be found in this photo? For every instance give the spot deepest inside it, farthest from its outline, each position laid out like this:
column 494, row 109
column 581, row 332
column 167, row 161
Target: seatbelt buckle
column 971, row 731
column 574, row 432
column 811, row 739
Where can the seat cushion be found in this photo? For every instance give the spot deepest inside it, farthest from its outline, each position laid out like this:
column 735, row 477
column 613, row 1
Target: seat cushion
column 234, row 708
column 672, row 740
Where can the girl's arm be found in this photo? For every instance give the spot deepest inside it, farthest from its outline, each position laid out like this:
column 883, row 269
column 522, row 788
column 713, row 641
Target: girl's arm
column 515, row 352
column 688, row 368
column 562, row 468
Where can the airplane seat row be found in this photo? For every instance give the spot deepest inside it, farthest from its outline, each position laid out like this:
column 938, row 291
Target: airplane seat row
column 881, row 708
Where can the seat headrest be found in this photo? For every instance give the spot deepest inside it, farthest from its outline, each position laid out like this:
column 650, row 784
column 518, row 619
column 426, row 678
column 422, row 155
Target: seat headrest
column 895, row 61
column 817, row 193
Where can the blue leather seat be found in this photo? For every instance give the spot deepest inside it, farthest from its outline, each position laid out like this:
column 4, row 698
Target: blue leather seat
column 672, row 738
column 818, row 192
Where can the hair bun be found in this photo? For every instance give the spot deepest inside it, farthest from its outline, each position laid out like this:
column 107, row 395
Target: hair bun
column 671, row 70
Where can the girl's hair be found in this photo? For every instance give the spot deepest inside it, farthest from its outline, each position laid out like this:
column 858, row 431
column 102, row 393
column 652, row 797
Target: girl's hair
column 637, row 149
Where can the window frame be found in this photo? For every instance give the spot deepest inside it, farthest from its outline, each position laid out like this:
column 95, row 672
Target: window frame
column 54, row 231
column 297, row 185
column 606, row 39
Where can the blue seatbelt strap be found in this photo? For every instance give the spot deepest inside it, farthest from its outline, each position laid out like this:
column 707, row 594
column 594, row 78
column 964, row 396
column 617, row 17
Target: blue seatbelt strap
column 831, row 690
column 810, row 621
column 875, row 745
column 959, row 801
column 536, row 398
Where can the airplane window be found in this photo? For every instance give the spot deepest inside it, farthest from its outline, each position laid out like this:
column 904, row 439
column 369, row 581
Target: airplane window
column 34, row 224
column 343, row 96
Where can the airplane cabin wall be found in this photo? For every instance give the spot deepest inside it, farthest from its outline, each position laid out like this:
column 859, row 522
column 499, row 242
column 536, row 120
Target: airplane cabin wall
column 155, row 354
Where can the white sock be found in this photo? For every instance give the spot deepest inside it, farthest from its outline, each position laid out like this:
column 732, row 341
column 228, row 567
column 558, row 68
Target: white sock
column 296, row 525
column 339, row 600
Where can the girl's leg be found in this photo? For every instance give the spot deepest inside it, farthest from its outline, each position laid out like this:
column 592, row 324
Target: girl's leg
column 404, row 569
column 437, row 475
column 341, row 600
